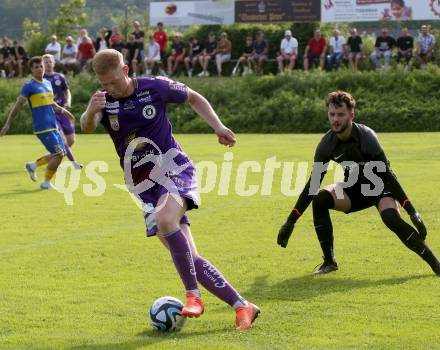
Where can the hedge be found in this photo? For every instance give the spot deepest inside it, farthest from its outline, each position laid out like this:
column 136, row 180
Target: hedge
column 387, row 101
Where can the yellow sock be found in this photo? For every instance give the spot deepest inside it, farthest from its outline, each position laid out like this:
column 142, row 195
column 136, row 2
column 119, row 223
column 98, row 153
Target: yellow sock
column 42, row 161
column 49, row 174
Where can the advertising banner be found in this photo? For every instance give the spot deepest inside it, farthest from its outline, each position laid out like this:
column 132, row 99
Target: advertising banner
column 186, row 13
column 379, row 10
column 275, row 11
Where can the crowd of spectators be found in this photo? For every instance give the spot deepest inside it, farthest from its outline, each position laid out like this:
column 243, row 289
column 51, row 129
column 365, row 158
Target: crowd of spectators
column 147, row 56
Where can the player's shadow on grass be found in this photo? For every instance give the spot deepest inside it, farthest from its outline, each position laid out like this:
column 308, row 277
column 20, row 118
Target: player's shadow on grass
column 309, row 286
column 151, row 337
column 17, row 191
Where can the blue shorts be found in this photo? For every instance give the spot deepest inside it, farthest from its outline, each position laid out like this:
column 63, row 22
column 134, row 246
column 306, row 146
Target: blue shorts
column 53, row 142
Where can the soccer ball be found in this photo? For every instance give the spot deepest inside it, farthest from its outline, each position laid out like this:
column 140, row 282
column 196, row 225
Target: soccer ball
column 166, row 314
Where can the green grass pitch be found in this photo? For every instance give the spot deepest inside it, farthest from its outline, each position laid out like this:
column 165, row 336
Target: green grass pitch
column 84, row 276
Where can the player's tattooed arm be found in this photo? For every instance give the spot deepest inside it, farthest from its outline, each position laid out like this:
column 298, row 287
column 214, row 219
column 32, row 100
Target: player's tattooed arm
column 20, row 101
column 203, row 108
column 92, row 116
column 63, row 111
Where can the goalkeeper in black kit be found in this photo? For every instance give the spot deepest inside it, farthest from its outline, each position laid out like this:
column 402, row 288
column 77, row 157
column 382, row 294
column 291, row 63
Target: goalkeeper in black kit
column 368, row 181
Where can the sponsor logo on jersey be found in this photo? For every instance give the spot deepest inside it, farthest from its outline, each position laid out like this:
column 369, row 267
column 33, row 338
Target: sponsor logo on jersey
column 112, row 111
column 57, row 82
column 128, row 105
column 143, row 93
column 149, row 112
column 114, row 122
column 145, row 99
column 112, row 104
column 178, row 87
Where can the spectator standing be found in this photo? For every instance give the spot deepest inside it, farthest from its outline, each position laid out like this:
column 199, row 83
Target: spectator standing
column 259, row 54
column 315, row 50
column 86, row 52
column 425, row 46
column 82, row 33
column 103, row 40
column 139, row 37
column 288, row 52
column 356, row 49
column 54, row 48
column 405, row 47
column 383, row 48
column 223, row 52
column 337, row 43
column 116, row 36
column 119, row 44
column 133, row 57
column 161, row 37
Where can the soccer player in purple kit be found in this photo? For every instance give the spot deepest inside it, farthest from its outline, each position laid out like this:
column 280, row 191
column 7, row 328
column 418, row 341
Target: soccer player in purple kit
column 63, row 98
column 136, row 109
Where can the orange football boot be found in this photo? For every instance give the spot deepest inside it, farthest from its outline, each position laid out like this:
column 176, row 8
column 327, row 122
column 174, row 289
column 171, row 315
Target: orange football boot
column 194, row 306
column 245, row 316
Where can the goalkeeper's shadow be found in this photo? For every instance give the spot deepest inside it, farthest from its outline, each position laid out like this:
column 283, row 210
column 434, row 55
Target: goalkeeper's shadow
column 309, row 287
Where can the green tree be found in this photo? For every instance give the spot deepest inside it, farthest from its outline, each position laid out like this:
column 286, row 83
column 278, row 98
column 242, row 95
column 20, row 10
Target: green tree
column 71, row 15
column 33, row 38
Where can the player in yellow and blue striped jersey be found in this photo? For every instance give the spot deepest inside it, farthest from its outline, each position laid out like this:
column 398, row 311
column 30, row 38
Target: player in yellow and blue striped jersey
column 38, row 92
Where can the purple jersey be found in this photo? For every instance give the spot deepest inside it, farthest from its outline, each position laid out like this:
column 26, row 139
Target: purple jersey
column 59, row 86
column 165, row 168
column 144, row 114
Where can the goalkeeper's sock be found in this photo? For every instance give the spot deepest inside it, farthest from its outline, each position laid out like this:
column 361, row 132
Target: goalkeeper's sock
column 409, row 236
column 322, row 202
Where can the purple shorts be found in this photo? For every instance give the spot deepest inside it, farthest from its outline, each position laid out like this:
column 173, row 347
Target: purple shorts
column 183, row 185
column 65, row 125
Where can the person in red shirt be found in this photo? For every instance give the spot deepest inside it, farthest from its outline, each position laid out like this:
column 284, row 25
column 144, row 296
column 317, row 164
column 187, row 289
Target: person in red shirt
column 116, row 36
column 161, row 37
column 86, row 52
column 315, row 50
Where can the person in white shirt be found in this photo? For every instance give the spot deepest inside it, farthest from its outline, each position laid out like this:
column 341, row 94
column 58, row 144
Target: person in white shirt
column 69, row 52
column 289, row 52
column 152, row 55
column 69, row 60
column 425, row 46
column 54, row 48
column 337, row 43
